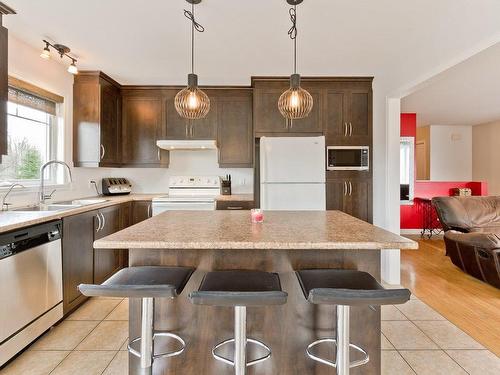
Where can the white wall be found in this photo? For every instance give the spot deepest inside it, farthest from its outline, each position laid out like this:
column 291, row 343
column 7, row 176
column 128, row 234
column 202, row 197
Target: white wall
column 451, row 153
column 25, row 64
column 486, row 155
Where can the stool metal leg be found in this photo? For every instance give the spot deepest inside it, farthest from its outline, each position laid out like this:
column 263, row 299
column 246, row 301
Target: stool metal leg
column 147, row 332
column 343, row 361
column 240, row 340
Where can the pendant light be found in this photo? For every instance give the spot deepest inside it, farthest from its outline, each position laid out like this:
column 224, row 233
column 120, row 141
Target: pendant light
column 295, row 103
column 191, row 102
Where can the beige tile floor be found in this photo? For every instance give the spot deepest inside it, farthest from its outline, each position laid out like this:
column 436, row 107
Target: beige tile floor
column 92, row 341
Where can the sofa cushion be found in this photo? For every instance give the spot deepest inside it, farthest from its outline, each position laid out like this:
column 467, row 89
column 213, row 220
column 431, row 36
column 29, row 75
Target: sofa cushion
column 469, row 214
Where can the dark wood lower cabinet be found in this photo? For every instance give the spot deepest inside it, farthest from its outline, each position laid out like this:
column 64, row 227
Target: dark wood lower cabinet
column 141, row 210
column 81, row 262
column 107, row 262
column 350, row 195
column 78, row 257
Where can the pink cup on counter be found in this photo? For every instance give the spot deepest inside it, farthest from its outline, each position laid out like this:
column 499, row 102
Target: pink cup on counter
column 257, row 215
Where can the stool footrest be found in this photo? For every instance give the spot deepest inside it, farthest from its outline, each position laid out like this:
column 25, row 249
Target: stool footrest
column 248, row 364
column 172, row 353
column 330, row 363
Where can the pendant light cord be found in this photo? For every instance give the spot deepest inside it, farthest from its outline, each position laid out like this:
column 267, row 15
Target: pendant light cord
column 292, row 33
column 195, row 26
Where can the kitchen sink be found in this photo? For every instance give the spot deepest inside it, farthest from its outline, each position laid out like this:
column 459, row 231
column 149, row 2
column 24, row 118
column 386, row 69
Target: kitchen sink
column 60, row 206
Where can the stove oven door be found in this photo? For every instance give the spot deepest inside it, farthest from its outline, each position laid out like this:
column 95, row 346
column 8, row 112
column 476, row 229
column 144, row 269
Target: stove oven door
column 179, row 205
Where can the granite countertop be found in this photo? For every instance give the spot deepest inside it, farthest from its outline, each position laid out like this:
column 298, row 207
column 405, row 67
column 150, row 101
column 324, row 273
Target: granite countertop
column 300, row 230
column 235, row 197
column 11, row 220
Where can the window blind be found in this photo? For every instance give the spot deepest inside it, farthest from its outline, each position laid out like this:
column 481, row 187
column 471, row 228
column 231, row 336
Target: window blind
column 27, row 99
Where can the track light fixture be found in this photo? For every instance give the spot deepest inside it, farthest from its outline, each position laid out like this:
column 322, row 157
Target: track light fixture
column 62, row 50
column 295, row 103
column 191, row 102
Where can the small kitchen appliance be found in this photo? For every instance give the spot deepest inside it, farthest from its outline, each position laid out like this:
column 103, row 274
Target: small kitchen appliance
column 225, row 185
column 348, row 158
column 292, row 173
column 116, row 186
column 192, row 193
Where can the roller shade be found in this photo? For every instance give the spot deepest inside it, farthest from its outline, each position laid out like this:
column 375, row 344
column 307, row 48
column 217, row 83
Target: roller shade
column 30, row 100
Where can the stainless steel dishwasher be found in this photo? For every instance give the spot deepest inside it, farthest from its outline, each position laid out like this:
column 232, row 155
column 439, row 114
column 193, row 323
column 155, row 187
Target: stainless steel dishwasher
column 31, row 285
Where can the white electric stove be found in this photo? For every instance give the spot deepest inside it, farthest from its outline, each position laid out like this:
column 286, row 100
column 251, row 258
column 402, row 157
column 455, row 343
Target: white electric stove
column 189, row 193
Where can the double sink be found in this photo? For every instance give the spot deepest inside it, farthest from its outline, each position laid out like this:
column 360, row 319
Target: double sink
column 61, row 206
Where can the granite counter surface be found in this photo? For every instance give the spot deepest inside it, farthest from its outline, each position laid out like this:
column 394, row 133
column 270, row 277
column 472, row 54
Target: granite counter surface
column 299, row 230
column 11, row 220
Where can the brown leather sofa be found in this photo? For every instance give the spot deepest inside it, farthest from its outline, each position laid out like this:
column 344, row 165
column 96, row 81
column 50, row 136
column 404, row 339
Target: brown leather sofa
column 472, row 234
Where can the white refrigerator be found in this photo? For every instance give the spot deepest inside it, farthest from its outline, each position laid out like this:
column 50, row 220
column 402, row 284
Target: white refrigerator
column 292, row 173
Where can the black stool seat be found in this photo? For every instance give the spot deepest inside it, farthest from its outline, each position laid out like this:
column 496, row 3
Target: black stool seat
column 239, row 288
column 141, row 282
column 347, row 288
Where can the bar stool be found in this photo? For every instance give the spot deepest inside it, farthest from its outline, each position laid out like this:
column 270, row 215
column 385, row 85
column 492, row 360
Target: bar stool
column 147, row 283
column 240, row 289
column 345, row 288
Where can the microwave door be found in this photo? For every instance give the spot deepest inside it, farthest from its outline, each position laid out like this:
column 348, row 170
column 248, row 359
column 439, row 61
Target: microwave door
column 348, row 158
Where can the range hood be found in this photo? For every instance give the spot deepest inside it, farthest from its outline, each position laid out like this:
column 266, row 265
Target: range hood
column 172, row 144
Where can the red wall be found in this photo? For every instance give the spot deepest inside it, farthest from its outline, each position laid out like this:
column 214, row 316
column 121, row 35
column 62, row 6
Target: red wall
column 411, row 215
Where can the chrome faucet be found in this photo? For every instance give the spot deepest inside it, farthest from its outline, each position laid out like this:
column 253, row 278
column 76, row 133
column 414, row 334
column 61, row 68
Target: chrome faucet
column 5, row 205
column 43, row 196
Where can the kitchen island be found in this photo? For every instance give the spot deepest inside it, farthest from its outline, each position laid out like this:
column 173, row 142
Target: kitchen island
column 284, row 242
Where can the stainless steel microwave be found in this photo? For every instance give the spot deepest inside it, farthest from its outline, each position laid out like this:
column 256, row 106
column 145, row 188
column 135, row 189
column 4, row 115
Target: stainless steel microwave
column 348, row 158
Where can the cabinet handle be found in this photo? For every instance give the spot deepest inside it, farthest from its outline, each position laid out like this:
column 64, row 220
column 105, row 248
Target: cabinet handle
column 286, row 124
column 159, row 155
column 234, row 207
column 103, row 221
column 350, row 188
column 103, row 151
column 291, row 123
column 350, row 129
column 345, row 129
column 149, row 210
column 345, row 187
column 187, row 130
column 98, row 223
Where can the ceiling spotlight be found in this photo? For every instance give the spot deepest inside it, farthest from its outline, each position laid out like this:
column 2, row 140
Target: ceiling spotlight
column 72, row 68
column 63, row 51
column 46, row 52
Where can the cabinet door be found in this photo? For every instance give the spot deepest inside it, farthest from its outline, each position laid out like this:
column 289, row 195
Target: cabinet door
column 142, row 127
column 335, row 194
column 235, row 133
column 181, row 128
column 78, row 257
column 359, row 114
column 141, row 210
column 110, row 127
column 3, row 90
column 358, row 199
column 335, row 121
column 107, row 261
column 267, row 117
column 312, row 123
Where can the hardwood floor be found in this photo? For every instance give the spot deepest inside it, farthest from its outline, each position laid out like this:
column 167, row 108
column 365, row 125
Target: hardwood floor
column 470, row 304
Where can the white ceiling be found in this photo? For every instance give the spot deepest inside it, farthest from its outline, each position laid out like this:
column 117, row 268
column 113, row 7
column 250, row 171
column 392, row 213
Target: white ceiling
column 146, row 42
column 466, row 94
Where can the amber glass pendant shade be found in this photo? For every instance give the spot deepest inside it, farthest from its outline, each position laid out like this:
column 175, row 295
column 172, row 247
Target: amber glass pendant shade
column 295, row 103
column 191, row 102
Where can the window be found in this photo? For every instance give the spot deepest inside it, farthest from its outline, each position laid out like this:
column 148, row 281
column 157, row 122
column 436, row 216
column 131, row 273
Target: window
column 32, row 139
column 407, row 168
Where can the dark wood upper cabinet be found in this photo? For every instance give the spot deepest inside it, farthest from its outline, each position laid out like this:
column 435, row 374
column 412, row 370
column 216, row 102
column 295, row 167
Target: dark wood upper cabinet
column 180, row 128
column 360, row 114
column 4, row 80
column 78, row 257
column 96, row 120
column 143, row 124
column 235, row 129
column 266, row 115
column 335, row 111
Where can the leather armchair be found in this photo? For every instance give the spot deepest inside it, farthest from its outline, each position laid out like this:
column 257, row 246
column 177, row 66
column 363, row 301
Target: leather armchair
column 472, row 234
